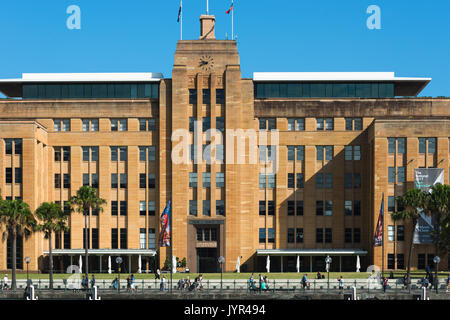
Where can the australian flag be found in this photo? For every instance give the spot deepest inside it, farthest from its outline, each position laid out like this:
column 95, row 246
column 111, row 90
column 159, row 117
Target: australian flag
column 164, row 236
column 378, row 241
column 179, row 11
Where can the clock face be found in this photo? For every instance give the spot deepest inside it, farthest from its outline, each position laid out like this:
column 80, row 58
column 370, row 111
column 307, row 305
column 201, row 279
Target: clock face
column 206, row 63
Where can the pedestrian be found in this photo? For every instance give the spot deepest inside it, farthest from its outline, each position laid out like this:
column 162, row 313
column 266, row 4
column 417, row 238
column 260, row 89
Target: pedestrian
column 391, row 275
column 304, row 281
column 92, row 281
column 157, row 274
column 5, row 282
column 263, row 286
column 200, row 278
column 319, row 276
column 266, row 281
column 405, row 281
column 261, row 279
column 448, row 283
column 385, row 283
column 431, row 280
column 187, row 283
column 181, row 284
column 341, row 284
column 428, row 270
column 425, row 282
column 163, row 283
column 252, row 283
column 132, row 285
column 115, row 283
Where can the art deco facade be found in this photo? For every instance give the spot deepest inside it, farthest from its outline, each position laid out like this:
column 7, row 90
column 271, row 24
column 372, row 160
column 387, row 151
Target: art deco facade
column 341, row 141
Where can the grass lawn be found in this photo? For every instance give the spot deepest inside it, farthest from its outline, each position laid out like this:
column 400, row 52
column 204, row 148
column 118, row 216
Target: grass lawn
column 231, row 276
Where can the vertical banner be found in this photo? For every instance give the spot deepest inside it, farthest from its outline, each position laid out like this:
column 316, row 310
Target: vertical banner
column 424, row 179
column 165, row 236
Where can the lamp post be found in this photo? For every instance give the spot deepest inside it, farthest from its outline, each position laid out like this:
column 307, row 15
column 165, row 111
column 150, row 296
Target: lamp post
column 27, row 260
column 119, row 261
column 221, row 261
column 328, row 262
column 436, row 261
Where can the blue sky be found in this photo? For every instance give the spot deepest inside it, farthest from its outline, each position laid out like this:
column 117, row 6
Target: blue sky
column 282, row 35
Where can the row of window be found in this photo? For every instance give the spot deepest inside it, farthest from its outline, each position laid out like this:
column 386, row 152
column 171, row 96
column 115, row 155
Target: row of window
column 220, row 207
column 206, row 234
column 298, row 124
column 322, row 235
column 323, row 180
column 324, row 90
column 206, row 123
column 220, row 180
column 90, row 90
column 296, row 207
column 206, row 96
column 91, row 153
column 400, row 233
column 145, row 124
column 16, row 143
column 17, row 175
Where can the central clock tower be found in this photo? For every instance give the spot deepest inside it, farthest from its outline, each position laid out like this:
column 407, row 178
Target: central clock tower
column 206, row 86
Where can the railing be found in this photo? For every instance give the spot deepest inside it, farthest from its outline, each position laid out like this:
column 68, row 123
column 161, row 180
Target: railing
column 233, row 286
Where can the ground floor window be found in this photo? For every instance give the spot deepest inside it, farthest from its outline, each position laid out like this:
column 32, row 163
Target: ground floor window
column 19, row 253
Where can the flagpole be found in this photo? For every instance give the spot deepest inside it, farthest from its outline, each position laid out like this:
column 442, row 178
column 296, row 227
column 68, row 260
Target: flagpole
column 232, row 21
column 171, row 242
column 181, row 38
column 382, row 239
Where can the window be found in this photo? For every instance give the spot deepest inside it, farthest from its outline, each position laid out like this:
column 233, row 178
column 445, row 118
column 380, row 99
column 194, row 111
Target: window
column 319, row 235
column 328, row 208
column 291, row 153
column 193, row 153
column 66, row 240
column 348, row 235
column 348, row 152
column 142, row 181
column 328, row 152
column 319, row 208
column 123, row 180
column 220, row 96
column 206, row 180
column 299, row 208
column 319, row 152
column 8, row 146
column 348, row 208
column 299, row 235
column 85, row 179
column 357, row 208
column 142, row 208
column 123, row 208
column 114, row 208
column 296, row 124
column 391, row 261
column 262, row 235
column 206, row 96
column 271, row 235
column 271, row 208
column 431, row 142
column 192, row 179
column 193, row 207
column 357, row 235
column 328, row 235
column 353, row 124
column 95, row 238
column 147, row 124
column 400, row 261
column 192, row 96
column 220, row 207
column 90, row 124
column 291, row 124
column 61, row 124
column 400, row 233
column 328, row 180
column 300, row 152
column 142, row 237
column 353, row 153
column 300, row 180
column 123, row 153
column 267, row 124
column 262, row 208
column 17, row 146
column 319, row 180
column 220, row 180
column 329, row 123
column 57, row 180
column 262, row 180
column 391, row 174
column 206, row 207
column 66, row 181
column 290, row 235
column 357, row 181
column 271, row 180
column 291, row 181
column 220, row 123
column 114, row 153
column 114, row 181
column 348, row 183
column 391, row 203
column 123, row 238
column 401, row 175
column 290, row 208
column 391, row 233
column 151, row 208
column 8, row 175
column 114, row 239
column 151, row 181
column 319, row 123
column 206, row 124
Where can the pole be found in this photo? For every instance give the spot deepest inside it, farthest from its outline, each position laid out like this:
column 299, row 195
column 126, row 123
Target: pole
column 181, row 18
column 232, row 21
column 382, row 240
column 207, row 7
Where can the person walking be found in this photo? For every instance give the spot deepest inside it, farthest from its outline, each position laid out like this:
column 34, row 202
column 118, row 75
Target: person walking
column 158, row 274
column 163, row 283
column 304, row 281
column 448, row 283
column 261, row 279
column 92, row 281
column 252, row 283
column 341, row 284
column 5, row 282
column 385, row 283
column 431, row 280
column 115, row 283
column 132, row 285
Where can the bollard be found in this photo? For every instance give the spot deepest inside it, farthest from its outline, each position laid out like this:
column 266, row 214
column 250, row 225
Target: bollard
column 354, row 293
column 32, row 295
column 423, row 294
column 94, row 294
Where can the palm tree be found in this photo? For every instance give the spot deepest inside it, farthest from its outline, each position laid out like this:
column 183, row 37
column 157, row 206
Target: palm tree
column 411, row 202
column 19, row 221
column 86, row 199
column 437, row 205
column 53, row 220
